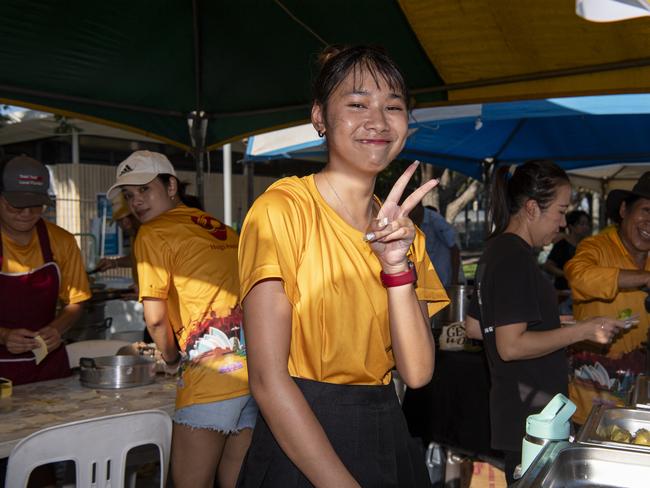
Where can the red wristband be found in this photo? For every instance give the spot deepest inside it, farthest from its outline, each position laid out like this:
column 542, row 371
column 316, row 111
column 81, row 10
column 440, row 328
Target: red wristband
column 399, row 279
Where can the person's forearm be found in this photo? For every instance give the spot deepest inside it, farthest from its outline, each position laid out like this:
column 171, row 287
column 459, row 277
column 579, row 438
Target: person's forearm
column 628, row 278
column 67, row 317
column 589, row 281
column 531, row 345
column 412, row 341
column 162, row 334
column 3, row 335
column 473, row 328
column 298, row 431
column 111, row 263
column 124, row 262
column 163, row 337
column 551, row 268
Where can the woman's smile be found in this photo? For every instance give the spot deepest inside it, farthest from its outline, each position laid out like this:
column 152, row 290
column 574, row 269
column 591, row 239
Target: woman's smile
column 375, row 142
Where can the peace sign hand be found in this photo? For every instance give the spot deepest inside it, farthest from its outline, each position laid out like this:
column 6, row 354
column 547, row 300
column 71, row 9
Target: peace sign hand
column 392, row 233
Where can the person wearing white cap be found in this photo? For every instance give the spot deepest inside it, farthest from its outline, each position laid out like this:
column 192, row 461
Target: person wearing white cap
column 40, row 264
column 189, row 285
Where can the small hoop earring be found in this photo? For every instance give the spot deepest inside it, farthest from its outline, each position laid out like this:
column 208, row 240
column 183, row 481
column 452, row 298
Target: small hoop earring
column 321, row 133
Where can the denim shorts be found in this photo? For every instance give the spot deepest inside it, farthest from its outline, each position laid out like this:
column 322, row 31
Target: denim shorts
column 227, row 416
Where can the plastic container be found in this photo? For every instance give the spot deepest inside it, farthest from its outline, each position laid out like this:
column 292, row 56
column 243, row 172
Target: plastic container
column 551, row 424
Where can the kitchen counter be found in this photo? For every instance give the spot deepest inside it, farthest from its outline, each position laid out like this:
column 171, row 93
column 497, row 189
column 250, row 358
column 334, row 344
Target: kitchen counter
column 35, row 406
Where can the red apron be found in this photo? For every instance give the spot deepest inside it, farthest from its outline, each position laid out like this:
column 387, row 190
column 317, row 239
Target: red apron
column 28, row 301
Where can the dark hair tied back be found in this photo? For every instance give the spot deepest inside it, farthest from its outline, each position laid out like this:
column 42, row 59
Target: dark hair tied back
column 181, row 190
column 336, row 62
column 534, row 180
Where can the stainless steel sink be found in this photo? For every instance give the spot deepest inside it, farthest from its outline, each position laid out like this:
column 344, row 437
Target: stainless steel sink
column 565, row 465
column 602, row 417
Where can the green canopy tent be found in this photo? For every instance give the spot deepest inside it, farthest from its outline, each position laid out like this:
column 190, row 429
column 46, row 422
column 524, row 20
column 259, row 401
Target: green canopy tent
column 239, row 67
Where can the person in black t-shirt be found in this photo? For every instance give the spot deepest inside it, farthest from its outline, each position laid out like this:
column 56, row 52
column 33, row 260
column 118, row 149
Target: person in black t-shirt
column 578, row 227
column 515, row 309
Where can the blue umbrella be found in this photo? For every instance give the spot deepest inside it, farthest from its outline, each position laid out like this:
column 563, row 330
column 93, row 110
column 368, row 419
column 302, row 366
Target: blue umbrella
column 575, row 132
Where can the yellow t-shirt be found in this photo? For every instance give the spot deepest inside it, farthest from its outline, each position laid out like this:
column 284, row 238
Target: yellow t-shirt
column 189, row 259
column 73, row 286
column 340, row 330
column 593, row 276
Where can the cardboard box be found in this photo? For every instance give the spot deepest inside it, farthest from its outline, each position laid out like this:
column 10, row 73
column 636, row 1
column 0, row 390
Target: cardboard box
column 485, row 475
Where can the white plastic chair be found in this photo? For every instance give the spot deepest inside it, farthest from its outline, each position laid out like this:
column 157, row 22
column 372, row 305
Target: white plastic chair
column 97, row 446
column 92, row 349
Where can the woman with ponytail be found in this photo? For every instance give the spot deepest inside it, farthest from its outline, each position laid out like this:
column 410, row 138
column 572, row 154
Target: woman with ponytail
column 515, row 307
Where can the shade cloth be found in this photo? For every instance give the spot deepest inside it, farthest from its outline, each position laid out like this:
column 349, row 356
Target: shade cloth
column 246, row 65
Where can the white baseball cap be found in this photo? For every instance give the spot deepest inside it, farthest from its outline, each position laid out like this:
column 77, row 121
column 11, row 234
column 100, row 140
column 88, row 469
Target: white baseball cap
column 140, row 168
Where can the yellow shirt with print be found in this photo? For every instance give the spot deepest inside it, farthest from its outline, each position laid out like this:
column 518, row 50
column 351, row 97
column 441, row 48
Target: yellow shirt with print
column 340, row 332
column 188, row 258
column 593, row 276
column 73, row 284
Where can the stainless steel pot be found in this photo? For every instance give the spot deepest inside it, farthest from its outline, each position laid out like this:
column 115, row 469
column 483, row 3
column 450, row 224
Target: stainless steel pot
column 455, row 312
column 117, row 371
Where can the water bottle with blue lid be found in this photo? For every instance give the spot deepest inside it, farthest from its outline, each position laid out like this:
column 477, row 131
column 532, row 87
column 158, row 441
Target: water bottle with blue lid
column 551, row 424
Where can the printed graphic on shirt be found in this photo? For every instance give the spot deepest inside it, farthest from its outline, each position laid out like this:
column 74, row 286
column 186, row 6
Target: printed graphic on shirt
column 217, row 343
column 216, row 228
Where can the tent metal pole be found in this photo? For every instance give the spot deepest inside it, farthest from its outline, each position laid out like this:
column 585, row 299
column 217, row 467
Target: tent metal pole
column 198, row 126
column 75, row 146
column 249, row 176
column 488, row 173
column 200, row 183
column 227, row 184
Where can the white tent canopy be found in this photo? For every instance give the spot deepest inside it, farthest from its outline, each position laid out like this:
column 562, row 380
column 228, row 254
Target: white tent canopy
column 603, row 179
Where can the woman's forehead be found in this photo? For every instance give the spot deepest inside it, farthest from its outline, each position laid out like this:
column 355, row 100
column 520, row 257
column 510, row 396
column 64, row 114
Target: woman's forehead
column 362, row 79
column 563, row 194
column 130, row 188
column 640, row 203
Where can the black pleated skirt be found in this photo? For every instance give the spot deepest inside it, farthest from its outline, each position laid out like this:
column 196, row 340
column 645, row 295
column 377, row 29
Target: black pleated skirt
column 367, row 429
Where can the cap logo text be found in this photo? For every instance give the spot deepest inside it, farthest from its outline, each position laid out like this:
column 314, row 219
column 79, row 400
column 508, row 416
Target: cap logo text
column 125, row 170
column 30, row 180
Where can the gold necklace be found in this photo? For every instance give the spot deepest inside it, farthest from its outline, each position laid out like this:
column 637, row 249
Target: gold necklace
column 352, row 219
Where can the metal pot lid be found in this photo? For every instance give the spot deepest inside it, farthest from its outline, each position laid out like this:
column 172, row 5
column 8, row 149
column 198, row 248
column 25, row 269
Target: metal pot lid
column 115, row 361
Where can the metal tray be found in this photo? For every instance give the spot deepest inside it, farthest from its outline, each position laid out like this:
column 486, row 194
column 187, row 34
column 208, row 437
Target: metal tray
column 576, row 466
column 626, row 418
column 641, row 393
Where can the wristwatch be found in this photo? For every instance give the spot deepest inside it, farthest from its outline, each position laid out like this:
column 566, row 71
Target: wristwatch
column 399, row 279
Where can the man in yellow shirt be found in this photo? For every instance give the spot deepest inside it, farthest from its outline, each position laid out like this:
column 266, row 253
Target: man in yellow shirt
column 40, row 263
column 608, row 277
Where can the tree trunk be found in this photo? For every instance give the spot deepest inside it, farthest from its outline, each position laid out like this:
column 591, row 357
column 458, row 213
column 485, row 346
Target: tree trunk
column 446, row 191
column 454, row 207
column 432, row 198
